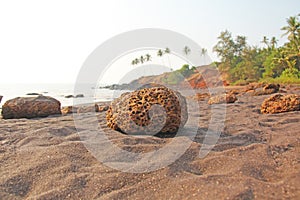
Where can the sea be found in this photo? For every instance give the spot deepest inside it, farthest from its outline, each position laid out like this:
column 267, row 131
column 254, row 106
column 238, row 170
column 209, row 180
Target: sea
column 91, row 93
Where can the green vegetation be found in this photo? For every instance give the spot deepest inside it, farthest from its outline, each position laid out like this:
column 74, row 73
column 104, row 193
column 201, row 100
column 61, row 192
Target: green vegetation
column 179, row 75
column 243, row 63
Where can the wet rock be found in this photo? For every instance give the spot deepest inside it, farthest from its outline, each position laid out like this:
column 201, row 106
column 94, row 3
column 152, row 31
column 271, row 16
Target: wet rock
column 30, row 107
column 279, row 103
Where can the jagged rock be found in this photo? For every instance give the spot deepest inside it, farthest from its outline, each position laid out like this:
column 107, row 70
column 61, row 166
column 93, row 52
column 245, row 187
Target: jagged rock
column 223, row 98
column 1, row 98
column 30, row 107
column 281, row 103
column 148, row 111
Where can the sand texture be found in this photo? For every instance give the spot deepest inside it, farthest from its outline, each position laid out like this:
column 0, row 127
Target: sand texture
column 256, row 157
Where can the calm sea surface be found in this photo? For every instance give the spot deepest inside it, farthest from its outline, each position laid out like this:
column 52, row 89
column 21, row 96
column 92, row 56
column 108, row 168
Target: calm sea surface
column 58, row 91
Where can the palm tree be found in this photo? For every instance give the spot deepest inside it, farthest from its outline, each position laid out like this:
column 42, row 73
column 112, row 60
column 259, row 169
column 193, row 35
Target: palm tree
column 203, row 53
column 273, row 42
column 148, row 57
column 142, row 59
column 186, row 50
column 265, row 41
column 160, row 53
column 133, row 62
column 292, row 30
column 167, row 50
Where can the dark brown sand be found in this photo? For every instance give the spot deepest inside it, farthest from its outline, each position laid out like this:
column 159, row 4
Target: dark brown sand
column 256, row 157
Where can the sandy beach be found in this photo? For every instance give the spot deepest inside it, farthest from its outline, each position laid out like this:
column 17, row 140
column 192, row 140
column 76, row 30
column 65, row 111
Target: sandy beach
column 256, row 157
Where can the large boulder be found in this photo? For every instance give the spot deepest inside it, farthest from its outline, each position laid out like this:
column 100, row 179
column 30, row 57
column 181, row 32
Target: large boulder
column 222, row 98
column 281, row 103
column 148, row 111
column 30, row 107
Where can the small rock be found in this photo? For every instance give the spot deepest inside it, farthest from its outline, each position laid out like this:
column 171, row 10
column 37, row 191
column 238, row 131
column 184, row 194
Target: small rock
column 281, row 103
column 87, row 109
column 32, row 94
column 30, row 107
column 102, row 108
column 200, row 96
column 69, row 96
column 79, row 96
column 223, row 98
column 1, row 98
column 68, row 110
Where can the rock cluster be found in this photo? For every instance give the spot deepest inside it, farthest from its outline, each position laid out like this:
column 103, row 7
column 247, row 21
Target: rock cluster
column 222, row 98
column 148, row 111
column 281, row 103
column 30, row 107
column 84, row 109
column 258, row 89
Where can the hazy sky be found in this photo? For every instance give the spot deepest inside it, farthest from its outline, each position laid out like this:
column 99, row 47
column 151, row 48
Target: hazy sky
column 48, row 41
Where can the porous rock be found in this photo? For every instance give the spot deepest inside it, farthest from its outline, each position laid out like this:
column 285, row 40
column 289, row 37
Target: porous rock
column 149, row 110
column 279, row 103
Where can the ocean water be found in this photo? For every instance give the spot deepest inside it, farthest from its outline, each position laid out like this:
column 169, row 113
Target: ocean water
column 58, row 91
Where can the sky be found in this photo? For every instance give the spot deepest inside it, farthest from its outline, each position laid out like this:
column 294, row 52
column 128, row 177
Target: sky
column 48, row 41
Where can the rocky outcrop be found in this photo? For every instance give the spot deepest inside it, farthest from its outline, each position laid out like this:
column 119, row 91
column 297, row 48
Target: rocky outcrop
column 281, row 103
column 261, row 89
column 223, row 98
column 148, row 111
column 30, row 107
